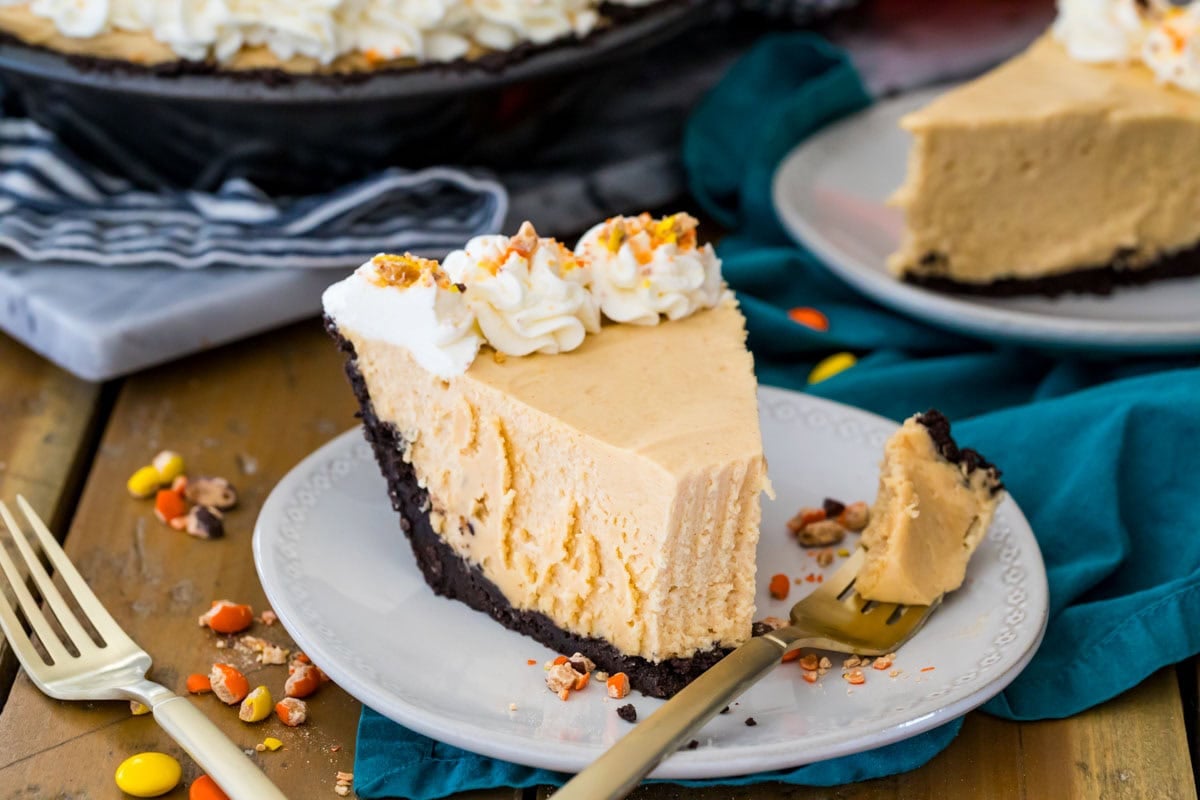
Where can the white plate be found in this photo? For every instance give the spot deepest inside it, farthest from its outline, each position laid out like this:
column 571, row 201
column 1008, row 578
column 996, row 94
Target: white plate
column 343, row 581
column 829, row 194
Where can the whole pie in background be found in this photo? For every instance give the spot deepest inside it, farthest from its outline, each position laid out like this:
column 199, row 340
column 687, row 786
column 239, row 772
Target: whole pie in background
column 303, row 36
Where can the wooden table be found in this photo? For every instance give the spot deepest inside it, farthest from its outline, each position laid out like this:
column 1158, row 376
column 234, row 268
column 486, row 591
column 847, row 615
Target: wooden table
column 251, row 411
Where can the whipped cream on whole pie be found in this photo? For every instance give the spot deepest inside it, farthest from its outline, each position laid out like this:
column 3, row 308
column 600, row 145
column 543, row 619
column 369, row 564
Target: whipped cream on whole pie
column 598, row 487
column 1162, row 35
column 297, row 35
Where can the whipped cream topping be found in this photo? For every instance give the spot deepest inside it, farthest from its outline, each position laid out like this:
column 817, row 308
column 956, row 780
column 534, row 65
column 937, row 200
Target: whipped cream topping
column 644, row 269
column 409, row 302
column 425, row 30
column 1100, row 30
column 1162, row 35
column 529, row 294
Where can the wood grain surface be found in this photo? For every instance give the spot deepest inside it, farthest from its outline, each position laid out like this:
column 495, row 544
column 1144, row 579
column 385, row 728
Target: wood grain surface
column 250, row 412
column 46, row 422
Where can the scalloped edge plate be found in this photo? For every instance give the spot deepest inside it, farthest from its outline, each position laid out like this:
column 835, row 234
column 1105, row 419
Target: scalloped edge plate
column 343, row 581
column 830, row 195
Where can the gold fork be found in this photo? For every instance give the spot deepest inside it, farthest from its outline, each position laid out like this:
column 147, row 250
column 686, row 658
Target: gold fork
column 834, row 617
column 114, row 670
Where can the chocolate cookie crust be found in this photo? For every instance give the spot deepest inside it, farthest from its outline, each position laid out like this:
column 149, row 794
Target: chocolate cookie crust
column 970, row 460
column 1102, row 280
column 449, row 575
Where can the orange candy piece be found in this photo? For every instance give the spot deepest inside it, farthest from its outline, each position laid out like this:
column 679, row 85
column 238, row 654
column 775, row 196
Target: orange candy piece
column 303, row 681
column 228, row 684
column 809, row 318
column 790, row 655
column 169, row 504
column 205, row 788
column 226, row 616
column 198, row 684
column 779, row 586
column 291, row 712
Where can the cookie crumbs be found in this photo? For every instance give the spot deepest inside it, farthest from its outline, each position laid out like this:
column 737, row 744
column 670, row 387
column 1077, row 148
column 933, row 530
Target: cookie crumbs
column 751, row 722
column 627, row 712
column 693, row 744
column 851, row 662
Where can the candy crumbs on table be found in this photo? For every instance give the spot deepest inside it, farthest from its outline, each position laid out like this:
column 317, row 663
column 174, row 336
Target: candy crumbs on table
column 256, row 706
column 169, row 505
column 168, row 465
column 203, row 522
column 228, row 684
column 291, row 712
column 138, row 709
column 226, row 616
column 779, row 586
column 216, row 493
column 303, row 681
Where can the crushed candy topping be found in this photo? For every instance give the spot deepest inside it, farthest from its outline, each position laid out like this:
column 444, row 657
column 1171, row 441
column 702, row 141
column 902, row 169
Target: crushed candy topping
column 403, row 271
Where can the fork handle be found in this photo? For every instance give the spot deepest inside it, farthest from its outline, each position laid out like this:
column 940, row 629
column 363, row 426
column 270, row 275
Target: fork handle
column 617, row 772
column 215, row 752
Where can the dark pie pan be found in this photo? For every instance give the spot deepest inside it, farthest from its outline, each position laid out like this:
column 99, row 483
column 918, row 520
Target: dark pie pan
column 189, row 126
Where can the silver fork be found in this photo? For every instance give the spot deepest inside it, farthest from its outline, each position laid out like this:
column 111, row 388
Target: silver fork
column 115, row 670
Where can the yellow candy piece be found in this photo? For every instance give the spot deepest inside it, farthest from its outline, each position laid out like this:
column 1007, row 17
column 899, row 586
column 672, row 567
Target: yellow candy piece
column 144, row 482
column 828, row 367
column 169, row 465
column 257, row 706
column 137, row 709
column 148, row 775
column 272, row 743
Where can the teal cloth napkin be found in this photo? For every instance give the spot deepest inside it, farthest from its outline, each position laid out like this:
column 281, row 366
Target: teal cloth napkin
column 1101, row 453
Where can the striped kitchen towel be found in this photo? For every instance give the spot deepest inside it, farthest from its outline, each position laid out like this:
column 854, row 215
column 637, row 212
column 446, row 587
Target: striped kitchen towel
column 56, row 207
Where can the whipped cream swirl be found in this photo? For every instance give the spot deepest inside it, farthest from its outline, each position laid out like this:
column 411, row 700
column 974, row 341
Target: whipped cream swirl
column 1172, row 48
column 409, row 302
column 323, row 30
column 644, row 269
column 1101, row 30
column 529, row 294
column 1162, row 35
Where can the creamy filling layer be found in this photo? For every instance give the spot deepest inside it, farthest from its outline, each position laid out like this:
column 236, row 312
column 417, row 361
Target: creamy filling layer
column 1046, row 166
column 619, row 517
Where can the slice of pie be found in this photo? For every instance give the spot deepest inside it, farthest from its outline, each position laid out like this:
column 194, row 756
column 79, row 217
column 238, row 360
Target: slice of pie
column 1072, row 167
column 934, row 506
column 593, row 485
